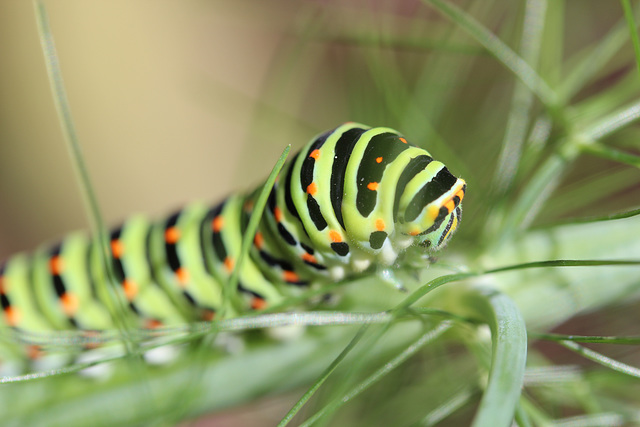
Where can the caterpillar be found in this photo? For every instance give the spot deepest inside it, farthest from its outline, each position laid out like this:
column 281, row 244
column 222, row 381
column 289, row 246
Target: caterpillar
column 351, row 201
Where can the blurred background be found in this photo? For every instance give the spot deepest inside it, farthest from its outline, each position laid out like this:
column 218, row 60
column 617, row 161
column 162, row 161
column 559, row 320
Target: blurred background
column 164, row 95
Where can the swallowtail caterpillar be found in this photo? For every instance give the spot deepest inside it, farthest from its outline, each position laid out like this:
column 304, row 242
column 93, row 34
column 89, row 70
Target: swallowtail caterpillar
column 352, row 200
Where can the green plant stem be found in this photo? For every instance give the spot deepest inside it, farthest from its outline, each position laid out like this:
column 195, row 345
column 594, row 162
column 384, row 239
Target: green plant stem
column 117, row 304
column 633, row 33
column 509, row 355
column 380, row 373
column 601, row 359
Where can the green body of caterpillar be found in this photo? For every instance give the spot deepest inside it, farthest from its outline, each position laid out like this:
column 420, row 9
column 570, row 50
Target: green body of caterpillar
column 352, row 197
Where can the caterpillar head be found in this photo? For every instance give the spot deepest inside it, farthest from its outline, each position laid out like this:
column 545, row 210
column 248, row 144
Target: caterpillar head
column 431, row 207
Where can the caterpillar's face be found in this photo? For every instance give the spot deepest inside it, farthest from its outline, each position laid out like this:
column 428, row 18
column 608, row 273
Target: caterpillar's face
column 431, row 206
column 439, row 237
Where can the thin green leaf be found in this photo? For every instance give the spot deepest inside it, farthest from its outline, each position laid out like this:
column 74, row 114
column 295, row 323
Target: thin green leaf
column 593, row 59
column 425, row 289
column 316, row 385
column 501, row 51
column 522, row 416
column 602, row 359
column 457, row 401
column 609, row 153
column 380, row 373
column 538, row 190
column 564, row 263
column 633, row 33
column 579, row 194
column 117, row 306
column 509, row 343
column 611, row 123
column 393, row 41
column 591, row 420
column 522, row 100
column 590, row 339
column 231, row 286
column 609, row 217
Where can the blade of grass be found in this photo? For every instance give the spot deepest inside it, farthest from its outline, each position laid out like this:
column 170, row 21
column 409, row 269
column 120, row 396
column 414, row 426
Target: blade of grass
column 230, row 288
column 590, row 339
column 259, row 321
column 522, row 100
column 610, row 217
column 604, row 419
column 594, row 58
column 425, row 289
column 522, row 416
column 402, row 43
column 442, row 70
column 579, row 194
column 380, row 373
column 611, row 123
column 117, row 304
column 602, row 359
column 355, row 368
column 602, row 151
column 447, row 408
column 509, row 355
column 552, row 58
column 633, row 33
column 564, row 263
column 316, row 385
column 500, row 50
column 532, row 199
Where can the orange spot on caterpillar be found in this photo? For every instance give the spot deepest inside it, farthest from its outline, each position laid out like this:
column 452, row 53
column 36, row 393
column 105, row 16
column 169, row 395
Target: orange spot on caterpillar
column 450, row 205
column 12, row 316
column 258, row 303
column 290, row 276
column 228, row 264
column 258, row 240
column 183, row 276
column 380, row 224
column 56, row 265
column 117, row 248
column 208, row 315
column 172, row 235
column 414, row 232
column 277, row 213
column 217, row 224
column 460, row 194
column 404, row 141
column 312, row 189
column 315, row 154
column 378, row 159
column 130, row 289
column 34, row 352
column 335, row 236
column 152, row 324
column 70, row 303
column 309, row 258
column 373, row 186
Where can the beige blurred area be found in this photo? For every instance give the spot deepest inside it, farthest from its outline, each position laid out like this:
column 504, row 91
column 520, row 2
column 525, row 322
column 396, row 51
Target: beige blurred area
column 164, row 95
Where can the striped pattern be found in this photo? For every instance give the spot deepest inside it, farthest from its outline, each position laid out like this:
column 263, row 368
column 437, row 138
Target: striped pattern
column 352, row 197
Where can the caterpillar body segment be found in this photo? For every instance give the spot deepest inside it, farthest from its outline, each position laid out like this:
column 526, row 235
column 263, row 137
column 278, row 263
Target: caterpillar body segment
column 353, row 198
